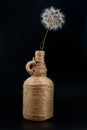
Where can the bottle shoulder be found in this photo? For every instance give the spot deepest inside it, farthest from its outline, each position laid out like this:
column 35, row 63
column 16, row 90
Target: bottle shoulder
column 36, row 80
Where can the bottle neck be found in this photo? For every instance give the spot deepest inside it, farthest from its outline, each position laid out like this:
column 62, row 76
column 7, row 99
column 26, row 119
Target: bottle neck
column 39, row 56
column 39, row 69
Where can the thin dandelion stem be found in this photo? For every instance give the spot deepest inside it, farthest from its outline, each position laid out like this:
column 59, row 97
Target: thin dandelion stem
column 43, row 42
column 41, row 45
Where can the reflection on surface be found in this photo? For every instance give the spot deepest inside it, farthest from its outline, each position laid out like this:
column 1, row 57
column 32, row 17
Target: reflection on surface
column 53, row 125
column 30, row 125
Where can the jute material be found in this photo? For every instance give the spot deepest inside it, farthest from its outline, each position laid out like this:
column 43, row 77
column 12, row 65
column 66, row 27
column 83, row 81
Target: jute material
column 38, row 91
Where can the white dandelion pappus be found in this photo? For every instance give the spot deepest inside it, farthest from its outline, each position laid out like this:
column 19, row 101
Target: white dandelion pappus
column 52, row 18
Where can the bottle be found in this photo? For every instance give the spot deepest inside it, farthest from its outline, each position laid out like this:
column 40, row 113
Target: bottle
column 38, row 90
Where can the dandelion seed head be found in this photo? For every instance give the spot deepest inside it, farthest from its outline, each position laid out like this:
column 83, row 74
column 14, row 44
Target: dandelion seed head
column 52, row 18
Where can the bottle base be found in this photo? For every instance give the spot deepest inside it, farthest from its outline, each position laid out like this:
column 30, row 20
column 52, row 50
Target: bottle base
column 37, row 118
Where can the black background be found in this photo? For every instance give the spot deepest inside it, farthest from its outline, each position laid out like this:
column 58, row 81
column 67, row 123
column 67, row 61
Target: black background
column 66, row 60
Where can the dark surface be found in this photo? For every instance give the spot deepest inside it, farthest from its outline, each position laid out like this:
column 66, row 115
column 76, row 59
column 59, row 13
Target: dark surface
column 66, row 60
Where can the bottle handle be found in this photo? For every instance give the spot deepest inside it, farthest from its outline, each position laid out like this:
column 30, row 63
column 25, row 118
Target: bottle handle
column 28, row 65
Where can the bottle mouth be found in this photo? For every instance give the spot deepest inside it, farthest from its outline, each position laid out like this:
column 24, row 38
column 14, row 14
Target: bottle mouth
column 40, row 51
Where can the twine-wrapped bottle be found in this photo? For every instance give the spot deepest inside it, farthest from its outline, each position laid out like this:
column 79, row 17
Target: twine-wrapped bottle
column 38, row 90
